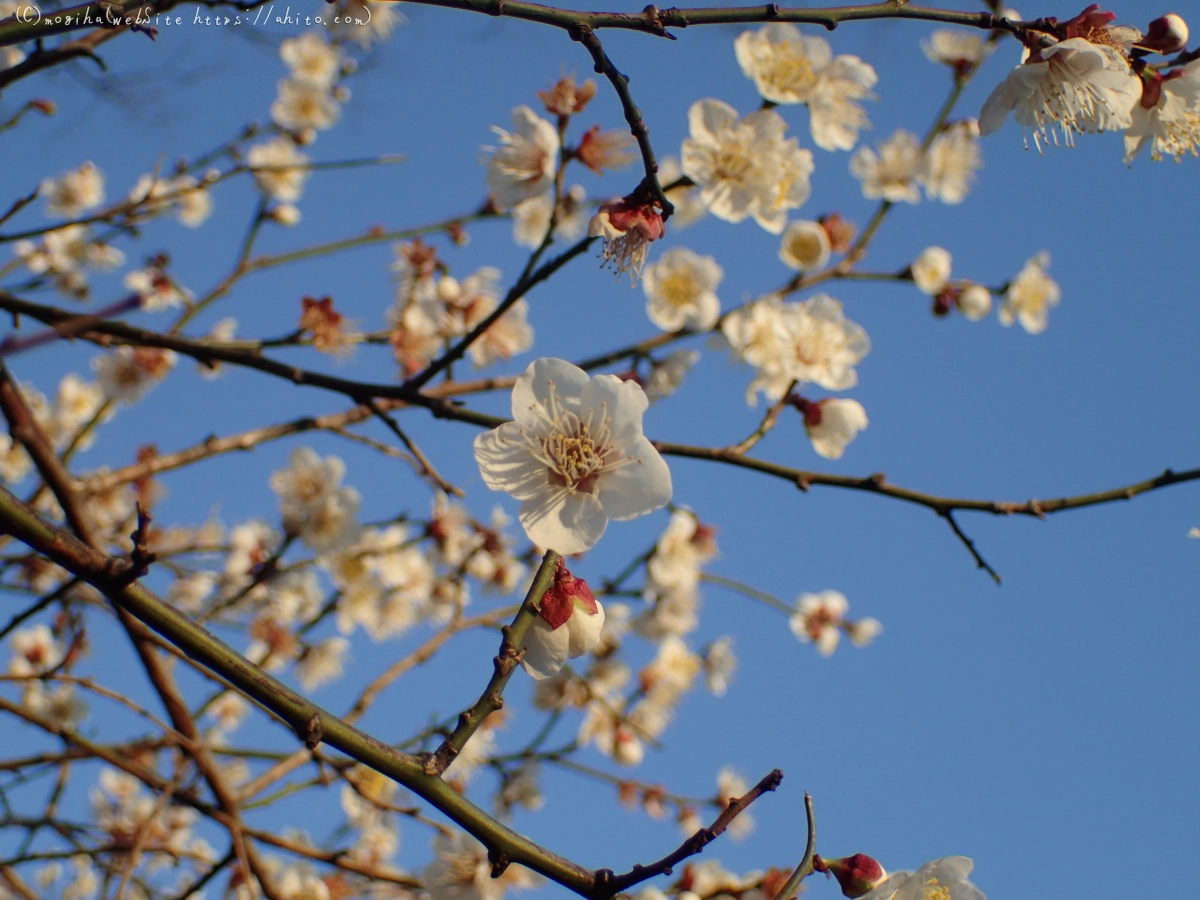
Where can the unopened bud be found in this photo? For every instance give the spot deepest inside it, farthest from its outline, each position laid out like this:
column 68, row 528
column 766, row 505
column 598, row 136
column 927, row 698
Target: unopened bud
column 1166, row 34
column 285, row 214
column 841, row 233
column 565, row 594
column 857, row 874
column 974, row 302
column 46, row 107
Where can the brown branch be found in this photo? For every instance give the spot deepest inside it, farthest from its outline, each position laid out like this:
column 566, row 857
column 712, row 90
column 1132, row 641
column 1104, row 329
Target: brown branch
column 608, row 884
column 970, row 545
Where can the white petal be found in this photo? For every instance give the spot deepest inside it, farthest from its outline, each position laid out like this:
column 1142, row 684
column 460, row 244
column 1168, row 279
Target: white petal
column 507, row 465
column 533, row 387
column 545, row 649
column 583, row 630
column 638, row 488
column 564, row 522
column 623, row 402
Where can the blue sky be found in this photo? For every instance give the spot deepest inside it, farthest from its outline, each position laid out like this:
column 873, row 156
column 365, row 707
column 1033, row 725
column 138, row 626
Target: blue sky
column 1046, row 728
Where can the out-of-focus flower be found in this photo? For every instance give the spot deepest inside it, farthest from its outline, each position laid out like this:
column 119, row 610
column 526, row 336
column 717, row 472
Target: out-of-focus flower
column 818, row 619
column 304, row 104
column 73, row 193
column 461, row 871
column 312, row 59
column 280, row 170
column 950, row 163
column 945, row 879
column 327, row 326
column 667, row 375
column 313, row 504
column 155, row 288
column 974, row 301
column 322, row 662
column 531, row 218
column 720, row 663
column 34, row 651
column 605, row 150
column 127, row 373
column 805, row 246
column 745, row 167
column 1072, row 87
column 567, row 97
column 365, row 21
column 64, row 254
column 523, row 165
column 689, row 206
column 890, row 174
column 575, row 455
column 730, row 787
column 1031, row 295
column 681, row 290
column 790, row 67
column 960, row 48
column 832, row 424
column 931, row 270
column 509, row 336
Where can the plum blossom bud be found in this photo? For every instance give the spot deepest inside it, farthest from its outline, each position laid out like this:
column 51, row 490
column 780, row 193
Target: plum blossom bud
column 841, row 233
column 974, row 301
column 49, row 107
column 805, row 246
column 856, row 874
column 931, row 270
column 627, row 749
column 1166, row 34
column 568, row 625
column 608, row 150
column 628, row 226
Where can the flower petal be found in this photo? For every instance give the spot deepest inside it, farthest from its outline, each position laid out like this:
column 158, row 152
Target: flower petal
column 545, row 649
column 533, row 387
column 583, row 630
column 638, row 488
column 563, row 521
column 622, row 402
column 507, row 465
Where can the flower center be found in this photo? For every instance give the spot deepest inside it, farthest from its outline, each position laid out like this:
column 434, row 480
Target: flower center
column 934, row 891
column 679, row 289
column 575, row 451
column 790, row 69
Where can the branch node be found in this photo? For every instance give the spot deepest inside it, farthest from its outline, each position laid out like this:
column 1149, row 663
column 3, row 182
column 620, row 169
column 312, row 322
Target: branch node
column 803, row 482
column 430, row 762
column 311, row 731
column 499, row 860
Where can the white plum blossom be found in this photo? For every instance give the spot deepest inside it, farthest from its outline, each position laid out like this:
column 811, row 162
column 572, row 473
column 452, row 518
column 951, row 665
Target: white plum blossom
column 509, row 336
column 314, row 506
column 689, row 207
column 575, row 455
column 667, row 375
column 818, row 619
column 191, row 199
column 720, row 662
column 811, row 341
column 322, row 662
column 681, row 290
column 731, row 786
column 790, row 67
column 951, row 161
column 34, row 651
column 832, row 424
column 365, row 21
column 300, row 105
column 461, row 871
column 931, row 270
column 961, row 48
column 568, row 625
column 312, row 59
column 1031, row 295
column 531, row 217
column 1167, row 119
column 73, row 193
column 892, row 173
column 805, row 246
column 280, row 170
column 64, row 254
column 745, row 167
column 523, row 166
column 1073, row 86
column 943, row 879
column 127, row 373
column 974, row 301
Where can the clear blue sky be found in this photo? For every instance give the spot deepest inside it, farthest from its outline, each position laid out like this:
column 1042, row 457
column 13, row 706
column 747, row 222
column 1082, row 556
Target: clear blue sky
column 1046, row 728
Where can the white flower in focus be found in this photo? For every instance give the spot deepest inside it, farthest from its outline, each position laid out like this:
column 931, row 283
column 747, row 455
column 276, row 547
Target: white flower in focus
column 322, row 662
column 365, row 21
column 818, row 619
column 951, row 161
column 943, row 879
column 667, row 375
column 745, row 167
column 509, row 336
column 832, row 424
column 681, row 290
column 805, row 246
column 1073, row 86
column 1167, row 119
column 280, row 170
column 892, row 173
column 1031, row 295
column 303, row 104
column 931, row 270
column 312, row 59
column 974, row 301
column 575, row 455
column 73, row 193
column 523, row 166
column 961, row 48
column 127, row 373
